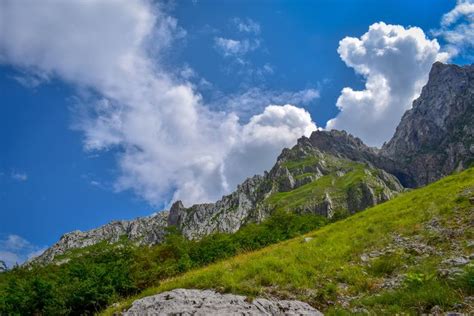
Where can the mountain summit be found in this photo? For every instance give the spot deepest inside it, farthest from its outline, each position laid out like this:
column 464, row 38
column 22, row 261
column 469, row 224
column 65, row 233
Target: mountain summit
column 435, row 137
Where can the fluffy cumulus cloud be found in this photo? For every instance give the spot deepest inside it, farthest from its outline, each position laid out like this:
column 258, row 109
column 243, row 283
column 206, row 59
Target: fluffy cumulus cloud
column 170, row 144
column 262, row 139
column 15, row 249
column 395, row 62
column 457, row 28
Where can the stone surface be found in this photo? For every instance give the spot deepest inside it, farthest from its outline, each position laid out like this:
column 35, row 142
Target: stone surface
column 207, row 302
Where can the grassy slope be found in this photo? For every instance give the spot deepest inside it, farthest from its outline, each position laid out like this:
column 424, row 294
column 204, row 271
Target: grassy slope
column 329, row 273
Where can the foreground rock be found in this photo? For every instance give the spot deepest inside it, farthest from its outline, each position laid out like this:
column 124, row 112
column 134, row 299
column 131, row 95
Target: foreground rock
column 207, row 302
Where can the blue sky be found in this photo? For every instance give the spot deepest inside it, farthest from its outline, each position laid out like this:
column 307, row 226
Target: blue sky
column 113, row 110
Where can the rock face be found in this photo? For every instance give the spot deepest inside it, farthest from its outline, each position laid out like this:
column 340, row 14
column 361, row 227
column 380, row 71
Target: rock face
column 226, row 215
column 145, row 230
column 207, row 302
column 436, row 136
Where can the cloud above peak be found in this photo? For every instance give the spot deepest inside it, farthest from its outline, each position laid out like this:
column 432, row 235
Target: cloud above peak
column 168, row 142
column 395, row 62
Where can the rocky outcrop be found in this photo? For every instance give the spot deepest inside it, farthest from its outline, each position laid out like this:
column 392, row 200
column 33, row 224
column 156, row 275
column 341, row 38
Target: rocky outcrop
column 144, row 231
column 436, row 136
column 207, row 302
column 226, row 215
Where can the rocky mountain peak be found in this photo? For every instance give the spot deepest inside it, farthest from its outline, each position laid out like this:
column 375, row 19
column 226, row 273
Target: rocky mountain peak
column 175, row 213
column 435, row 137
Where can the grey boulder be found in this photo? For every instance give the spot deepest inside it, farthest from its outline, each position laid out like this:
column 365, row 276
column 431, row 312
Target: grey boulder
column 207, row 302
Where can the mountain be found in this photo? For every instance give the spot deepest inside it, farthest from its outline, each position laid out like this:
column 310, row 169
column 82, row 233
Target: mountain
column 303, row 180
column 436, row 136
column 331, row 173
column 412, row 255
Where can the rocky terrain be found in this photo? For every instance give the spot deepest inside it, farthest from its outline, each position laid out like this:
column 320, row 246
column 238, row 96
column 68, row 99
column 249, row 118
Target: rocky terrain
column 208, row 302
column 331, row 173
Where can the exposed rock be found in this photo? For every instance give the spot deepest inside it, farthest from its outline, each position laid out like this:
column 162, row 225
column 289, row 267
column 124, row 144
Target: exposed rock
column 456, row 262
column 450, row 273
column 207, row 302
column 226, row 215
column 436, row 136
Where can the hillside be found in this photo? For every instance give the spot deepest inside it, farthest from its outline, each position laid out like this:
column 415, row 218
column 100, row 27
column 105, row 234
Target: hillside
column 412, row 254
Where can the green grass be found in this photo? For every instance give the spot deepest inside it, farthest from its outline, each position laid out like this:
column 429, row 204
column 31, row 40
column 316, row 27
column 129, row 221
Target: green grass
column 329, row 267
column 298, row 164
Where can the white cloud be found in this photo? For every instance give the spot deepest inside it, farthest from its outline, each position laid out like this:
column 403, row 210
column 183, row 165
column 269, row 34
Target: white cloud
column 262, row 139
column 247, row 25
column 15, row 249
column 170, row 143
column 14, row 242
column 395, row 62
column 457, row 28
column 19, row 176
column 230, row 47
column 10, row 258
